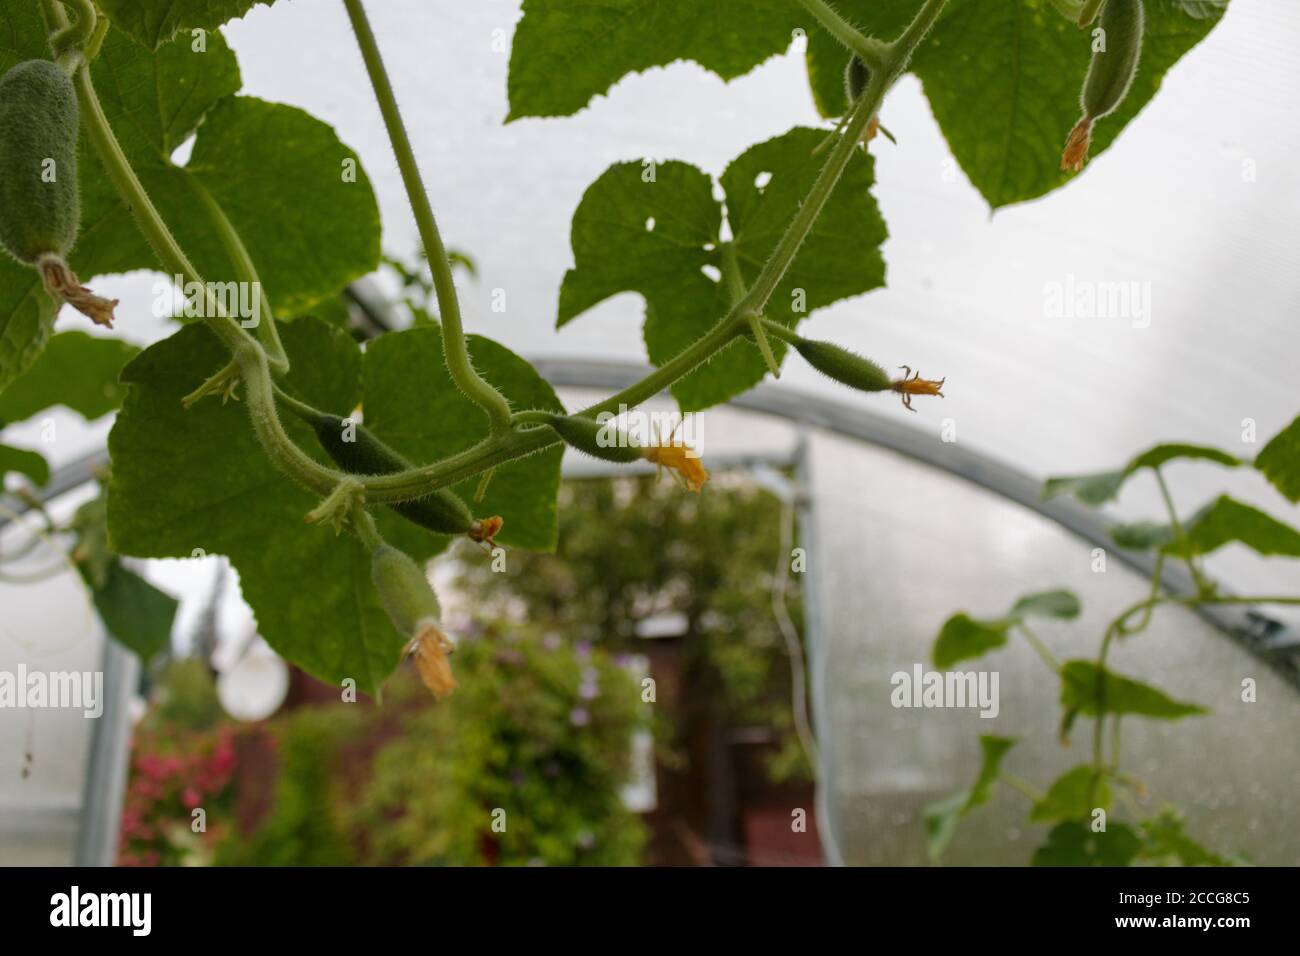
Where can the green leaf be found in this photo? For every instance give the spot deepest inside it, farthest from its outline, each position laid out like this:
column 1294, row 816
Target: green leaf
column 76, row 370
column 993, row 749
column 411, row 403
column 567, row 51
column 1003, row 80
column 137, row 614
column 26, row 319
column 1097, row 489
column 1163, row 454
column 1165, row 840
column 278, row 173
column 942, row 817
column 1280, row 461
column 1226, row 520
column 1082, row 687
column 1058, row 603
column 962, row 638
column 1090, row 489
column 154, row 22
column 1142, row 535
column 1075, row 844
column 91, row 554
column 656, row 238
column 198, row 479
column 24, row 462
column 1073, row 796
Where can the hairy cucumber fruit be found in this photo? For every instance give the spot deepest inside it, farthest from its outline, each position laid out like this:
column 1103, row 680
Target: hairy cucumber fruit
column 843, row 366
column 403, row 589
column 1111, row 72
column 40, row 207
column 442, row 511
column 598, row 440
column 856, row 77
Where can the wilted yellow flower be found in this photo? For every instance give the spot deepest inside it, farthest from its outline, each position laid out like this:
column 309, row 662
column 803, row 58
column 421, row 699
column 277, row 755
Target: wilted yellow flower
column 679, row 458
column 912, row 384
column 430, row 647
column 1075, row 155
column 485, row 529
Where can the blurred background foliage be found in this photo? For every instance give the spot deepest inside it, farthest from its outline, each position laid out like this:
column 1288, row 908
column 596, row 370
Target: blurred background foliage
column 537, row 739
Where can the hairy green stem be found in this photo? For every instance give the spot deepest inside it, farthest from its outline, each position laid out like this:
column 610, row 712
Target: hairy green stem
column 774, row 270
column 246, row 350
column 736, row 289
column 147, row 217
column 870, row 50
column 500, row 449
column 363, row 525
column 79, row 33
column 901, row 50
column 504, row 444
column 453, row 334
column 267, row 333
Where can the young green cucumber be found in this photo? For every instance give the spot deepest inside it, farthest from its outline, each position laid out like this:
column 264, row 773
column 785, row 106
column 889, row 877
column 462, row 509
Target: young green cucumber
column 856, row 76
column 40, row 204
column 1110, row 75
column 403, row 589
column 357, row 450
column 600, row 440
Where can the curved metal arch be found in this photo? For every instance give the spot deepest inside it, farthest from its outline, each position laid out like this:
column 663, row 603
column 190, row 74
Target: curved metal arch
column 1266, row 638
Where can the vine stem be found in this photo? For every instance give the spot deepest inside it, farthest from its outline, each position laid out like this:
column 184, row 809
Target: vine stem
column 1180, row 532
column 453, row 334
column 736, row 287
column 503, row 448
column 870, row 50
column 502, row 445
column 1017, row 783
column 267, row 333
column 774, row 270
column 252, row 359
column 146, row 215
column 1040, row 648
column 79, row 33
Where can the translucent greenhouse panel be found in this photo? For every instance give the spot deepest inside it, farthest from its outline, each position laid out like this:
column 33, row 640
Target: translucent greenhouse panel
column 897, row 547
column 46, row 629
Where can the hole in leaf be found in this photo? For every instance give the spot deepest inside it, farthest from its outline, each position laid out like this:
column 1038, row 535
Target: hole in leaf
column 650, row 224
column 181, row 154
column 761, row 181
column 712, row 272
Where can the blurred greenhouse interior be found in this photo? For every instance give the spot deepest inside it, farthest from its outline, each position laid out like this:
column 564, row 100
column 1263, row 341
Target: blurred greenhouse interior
column 638, row 697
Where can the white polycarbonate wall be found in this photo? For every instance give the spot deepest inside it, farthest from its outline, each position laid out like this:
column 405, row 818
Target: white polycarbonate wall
column 900, row 547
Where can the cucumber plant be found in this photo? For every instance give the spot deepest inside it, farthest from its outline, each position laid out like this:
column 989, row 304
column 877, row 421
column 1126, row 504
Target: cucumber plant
column 461, row 436
column 1077, row 803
